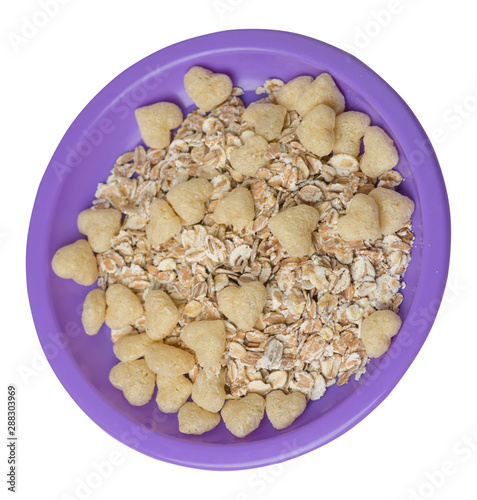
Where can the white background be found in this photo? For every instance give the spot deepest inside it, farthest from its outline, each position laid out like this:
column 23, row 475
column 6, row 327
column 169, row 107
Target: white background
column 426, row 51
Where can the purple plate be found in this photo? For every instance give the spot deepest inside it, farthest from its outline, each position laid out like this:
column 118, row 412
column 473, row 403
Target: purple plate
column 107, row 127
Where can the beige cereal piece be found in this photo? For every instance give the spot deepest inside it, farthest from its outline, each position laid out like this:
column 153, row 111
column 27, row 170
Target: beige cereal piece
column 380, row 153
column 167, row 360
column 188, row 199
column 349, row 129
column 206, row 339
column 361, row 221
column 247, row 159
column 316, row 131
column 394, row 209
column 267, row 119
column 124, row 307
column 195, row 420
column 76, row 262
column 135, row 379
column 283, row 409
column 100, row 226
column 163, row 222
column 288, row 94
column 243, row 416
column 236, row 208
column 131, row 347
column 207, row 89
column 94, row 311
column 208, row 390
column 156, row 122
column 377, row 331
column 172, row 393
column 293, row 228
column 323, row 90
column 161, row 314
column 243, row 305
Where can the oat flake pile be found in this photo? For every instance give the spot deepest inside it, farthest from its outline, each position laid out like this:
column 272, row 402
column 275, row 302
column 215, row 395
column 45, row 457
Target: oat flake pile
column 253, row 261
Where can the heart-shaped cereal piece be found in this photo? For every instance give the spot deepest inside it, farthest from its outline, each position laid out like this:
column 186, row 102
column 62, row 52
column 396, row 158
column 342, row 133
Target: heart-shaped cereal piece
column 208, row 390
column 316, row 131
column 172, row 392
column 243, row 416
column 163, row 222
column 124, row 307
column 288, row 94
column 322, row 90
column 267, row 119
column 247, row 159
column 100, row 226
column 207, row 89
column 394, row 209
column 293, row 228
column 236, row 208
column 377, row 331
column 243, row 305
column 94, row 311
column 195, row 420
column 349, row 129
column 188, row 199
column 361, row 221
column 167, row 360
column 156, row 122
column 135, row 379
column 161, row 314
column 380, row 153
column 131, row 347
column 283, row 409
column 206, row 339
column 76, row 262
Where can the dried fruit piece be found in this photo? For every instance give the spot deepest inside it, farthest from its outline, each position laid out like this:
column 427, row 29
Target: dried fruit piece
column 377, row 331
column 76, row 262
column 131, row 347
column 316, row 131
column 247, row 159
column 361, row 221
column 207, row 340
column 394, row 209
column 168, row 361
column 161, row 314
column 236, row 209
column 207, row 89
column 380, row 153
column 94, row 311
column 100, row 226
column 243, row 305
column 267, row 119
column 349, row 129
column 288, row 94
column 208, row 390
column 124, row 307
column 293, row 228
column 156, row 122
column 188, row 199
column 243, row 416
column 195, row 420
column 283, row 409
column 135, row 379
column 163, row 222
column 323, row 90
column 172, row 393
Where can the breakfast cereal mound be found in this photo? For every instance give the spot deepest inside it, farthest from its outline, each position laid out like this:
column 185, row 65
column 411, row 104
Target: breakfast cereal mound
column 251, row 249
